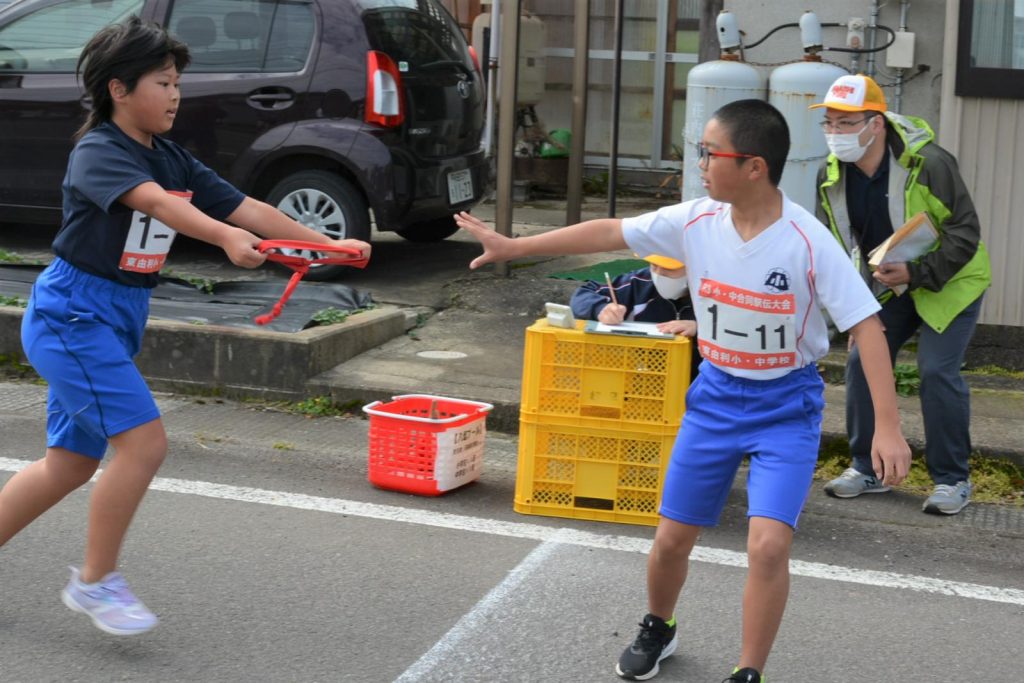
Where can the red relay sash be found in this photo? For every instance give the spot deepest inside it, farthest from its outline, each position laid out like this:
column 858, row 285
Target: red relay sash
column 346, row 256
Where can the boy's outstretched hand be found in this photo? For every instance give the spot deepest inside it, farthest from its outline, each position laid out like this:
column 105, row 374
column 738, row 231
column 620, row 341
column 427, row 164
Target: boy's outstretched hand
column 497, row 248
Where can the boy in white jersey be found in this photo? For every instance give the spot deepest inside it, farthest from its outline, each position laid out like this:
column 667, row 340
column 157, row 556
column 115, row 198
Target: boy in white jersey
column 760, row 269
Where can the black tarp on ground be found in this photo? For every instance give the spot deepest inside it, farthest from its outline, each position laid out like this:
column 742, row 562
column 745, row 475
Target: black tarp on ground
column 233, row 303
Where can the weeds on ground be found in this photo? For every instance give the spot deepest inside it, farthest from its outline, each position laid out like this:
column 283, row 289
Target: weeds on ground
column 995, row 481
column 596, row 184
column 8, row 257
column 330, row 316
column 908, row 380
column 13, row 366
column 320, row 406
column 203, row 284
column 333, row 316
column 996, row 371
column 13, row 301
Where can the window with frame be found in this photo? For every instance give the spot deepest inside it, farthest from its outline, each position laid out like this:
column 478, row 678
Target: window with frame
column 990, row 50
column 51, row 39
column 244, row 35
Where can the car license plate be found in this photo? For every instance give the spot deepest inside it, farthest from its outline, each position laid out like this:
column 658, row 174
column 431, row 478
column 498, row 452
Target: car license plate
column 460, row 186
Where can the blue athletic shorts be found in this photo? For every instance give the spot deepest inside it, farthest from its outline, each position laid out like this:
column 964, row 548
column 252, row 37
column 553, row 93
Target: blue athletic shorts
column 80, row 333
column 777, row 422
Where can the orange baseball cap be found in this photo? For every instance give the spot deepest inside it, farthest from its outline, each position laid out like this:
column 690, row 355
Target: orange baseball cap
column 854, row 93
column 663, row 261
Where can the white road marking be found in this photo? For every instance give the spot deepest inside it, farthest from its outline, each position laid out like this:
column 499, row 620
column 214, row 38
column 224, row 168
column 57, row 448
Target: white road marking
column 543, row 534
column 475, row 620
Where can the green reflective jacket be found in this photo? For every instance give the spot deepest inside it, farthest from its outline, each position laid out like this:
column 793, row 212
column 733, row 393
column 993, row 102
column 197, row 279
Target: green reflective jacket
column 922, row 177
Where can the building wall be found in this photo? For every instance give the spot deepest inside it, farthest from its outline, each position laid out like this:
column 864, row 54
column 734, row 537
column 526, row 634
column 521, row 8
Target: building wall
column 986, row 135
column 989, row 128
column 925, row 18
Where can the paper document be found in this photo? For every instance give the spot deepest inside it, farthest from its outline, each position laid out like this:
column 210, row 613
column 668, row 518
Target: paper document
column 634, row 329
column 914, row 238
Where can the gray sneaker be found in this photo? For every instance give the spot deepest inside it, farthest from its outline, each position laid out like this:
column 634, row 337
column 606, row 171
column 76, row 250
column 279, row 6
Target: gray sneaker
column 110, row 604
column 949, row 500
column 852, row 483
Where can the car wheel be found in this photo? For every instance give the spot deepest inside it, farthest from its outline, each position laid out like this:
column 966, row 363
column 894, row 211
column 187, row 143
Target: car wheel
column 327, row 203
column 430, row 231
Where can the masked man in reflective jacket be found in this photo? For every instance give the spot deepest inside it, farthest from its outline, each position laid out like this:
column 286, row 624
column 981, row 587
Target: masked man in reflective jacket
column 883, row 169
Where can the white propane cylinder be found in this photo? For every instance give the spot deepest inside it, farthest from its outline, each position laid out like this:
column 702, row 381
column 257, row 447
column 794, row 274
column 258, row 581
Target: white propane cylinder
column 709, row 86
column 792, row 88
column 476, row 36
column 533, row 38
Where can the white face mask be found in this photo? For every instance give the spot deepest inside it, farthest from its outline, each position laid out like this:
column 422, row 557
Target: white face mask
column 670, row 288
column 846, row 146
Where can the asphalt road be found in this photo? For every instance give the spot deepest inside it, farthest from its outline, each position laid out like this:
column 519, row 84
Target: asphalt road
column 268, row 557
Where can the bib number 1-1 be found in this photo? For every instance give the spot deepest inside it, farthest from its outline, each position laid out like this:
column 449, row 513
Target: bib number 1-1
column 740, row 328
column 148, row 242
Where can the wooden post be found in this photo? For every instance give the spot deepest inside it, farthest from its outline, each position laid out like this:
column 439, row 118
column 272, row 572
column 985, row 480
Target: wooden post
column 508, row 75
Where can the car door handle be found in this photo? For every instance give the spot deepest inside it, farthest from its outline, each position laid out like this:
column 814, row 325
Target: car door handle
column 271, row 98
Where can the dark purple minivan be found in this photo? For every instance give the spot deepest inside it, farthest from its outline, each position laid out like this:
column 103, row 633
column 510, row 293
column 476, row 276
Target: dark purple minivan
column 327, row 109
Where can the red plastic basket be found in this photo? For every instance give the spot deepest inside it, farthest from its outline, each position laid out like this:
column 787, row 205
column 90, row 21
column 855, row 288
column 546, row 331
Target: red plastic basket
column 426, row 444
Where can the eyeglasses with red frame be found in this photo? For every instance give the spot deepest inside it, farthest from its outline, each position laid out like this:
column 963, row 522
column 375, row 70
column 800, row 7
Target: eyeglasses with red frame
column 704, row 154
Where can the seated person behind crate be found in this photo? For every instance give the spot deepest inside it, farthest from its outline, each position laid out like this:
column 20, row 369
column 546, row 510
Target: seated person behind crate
column 656, row 294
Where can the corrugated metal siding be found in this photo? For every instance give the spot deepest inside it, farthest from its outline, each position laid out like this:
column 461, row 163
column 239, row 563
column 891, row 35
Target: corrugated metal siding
column 991, row 156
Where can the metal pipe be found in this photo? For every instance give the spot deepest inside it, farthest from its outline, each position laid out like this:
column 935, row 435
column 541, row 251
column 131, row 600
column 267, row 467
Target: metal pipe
column 508, row 76
column 492, row 71
column 613, row 149
column 898, row 89
column 869, row 62
column 950, row 106
column 581, row 47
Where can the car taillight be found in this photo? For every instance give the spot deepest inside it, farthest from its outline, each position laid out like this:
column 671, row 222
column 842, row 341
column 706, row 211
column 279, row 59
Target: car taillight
column 385, row 104
column 476, row 60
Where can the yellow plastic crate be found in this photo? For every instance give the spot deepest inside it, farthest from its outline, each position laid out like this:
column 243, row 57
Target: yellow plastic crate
column 606, row 475
column 604, row 380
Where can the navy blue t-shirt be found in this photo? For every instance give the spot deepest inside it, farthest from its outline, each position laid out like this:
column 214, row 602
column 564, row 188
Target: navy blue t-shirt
column 867, row 200
column 106, row 238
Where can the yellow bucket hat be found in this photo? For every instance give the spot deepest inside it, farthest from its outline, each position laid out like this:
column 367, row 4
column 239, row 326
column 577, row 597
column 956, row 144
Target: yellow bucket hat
column 663, row 261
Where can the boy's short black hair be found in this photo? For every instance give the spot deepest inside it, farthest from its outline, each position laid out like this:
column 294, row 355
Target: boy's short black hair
column 125, row 51
column 756, row 127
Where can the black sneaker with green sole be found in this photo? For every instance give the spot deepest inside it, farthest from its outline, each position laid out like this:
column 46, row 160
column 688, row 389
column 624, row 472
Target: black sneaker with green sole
column 745, row 675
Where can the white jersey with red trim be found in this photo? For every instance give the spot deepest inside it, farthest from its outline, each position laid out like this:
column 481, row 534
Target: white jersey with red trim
column 758, row 303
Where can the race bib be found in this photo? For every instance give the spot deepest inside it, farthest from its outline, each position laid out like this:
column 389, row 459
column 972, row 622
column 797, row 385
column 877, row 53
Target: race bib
column 148, row 242
column 739, row 328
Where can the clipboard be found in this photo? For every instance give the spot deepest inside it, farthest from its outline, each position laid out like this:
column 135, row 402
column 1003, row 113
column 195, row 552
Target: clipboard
column 628, row 329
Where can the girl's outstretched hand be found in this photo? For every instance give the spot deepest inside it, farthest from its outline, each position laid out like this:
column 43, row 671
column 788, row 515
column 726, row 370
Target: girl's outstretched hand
column 242, row 248
column 497, row 248
column 363, row 247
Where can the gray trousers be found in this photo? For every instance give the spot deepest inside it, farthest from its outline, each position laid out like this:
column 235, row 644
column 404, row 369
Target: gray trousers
column 945, row 397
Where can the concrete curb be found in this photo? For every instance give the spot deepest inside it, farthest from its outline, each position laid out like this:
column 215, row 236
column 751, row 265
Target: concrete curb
column 240, row 362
